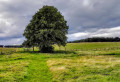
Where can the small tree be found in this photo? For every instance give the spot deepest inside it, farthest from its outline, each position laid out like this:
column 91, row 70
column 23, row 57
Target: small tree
column 46, row 28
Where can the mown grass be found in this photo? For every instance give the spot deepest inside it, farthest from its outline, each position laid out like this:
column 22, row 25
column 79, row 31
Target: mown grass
column 25, row 67
column 73, row 65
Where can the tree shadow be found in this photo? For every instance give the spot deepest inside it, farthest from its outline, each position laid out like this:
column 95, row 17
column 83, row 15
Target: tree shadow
column 64, row 52
column 55, row 52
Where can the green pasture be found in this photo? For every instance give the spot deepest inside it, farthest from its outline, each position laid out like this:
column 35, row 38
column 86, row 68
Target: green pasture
column 91, row 46
column 78, row 62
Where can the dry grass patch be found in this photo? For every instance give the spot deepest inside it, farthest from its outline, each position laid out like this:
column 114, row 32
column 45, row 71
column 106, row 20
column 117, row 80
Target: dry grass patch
column 85, row 68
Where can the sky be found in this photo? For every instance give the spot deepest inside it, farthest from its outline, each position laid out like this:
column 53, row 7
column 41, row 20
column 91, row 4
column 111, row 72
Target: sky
column 85, row 18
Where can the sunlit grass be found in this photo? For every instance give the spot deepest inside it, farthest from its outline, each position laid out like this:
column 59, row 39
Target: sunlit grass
column 24, row 67
column 13, row 67
column 85, row 68
column 90, row 46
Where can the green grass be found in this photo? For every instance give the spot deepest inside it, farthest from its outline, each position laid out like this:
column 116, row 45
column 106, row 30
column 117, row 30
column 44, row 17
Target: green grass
column 95, row 62
column 12, row 68
column 91, row 46
column 26, row 67
column 38, row 70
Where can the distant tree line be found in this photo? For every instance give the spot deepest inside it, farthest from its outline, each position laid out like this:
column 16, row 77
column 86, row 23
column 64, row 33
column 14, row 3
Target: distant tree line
column 97, row 39
column 1, row 45
column 11, row 46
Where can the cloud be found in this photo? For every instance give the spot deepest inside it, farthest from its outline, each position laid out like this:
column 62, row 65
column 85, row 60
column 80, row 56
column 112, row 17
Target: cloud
column 83, row 16
column 12, row 41
column 107, row 32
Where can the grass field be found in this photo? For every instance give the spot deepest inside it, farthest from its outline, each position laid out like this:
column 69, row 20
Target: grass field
column 92, row 46
column 7, row 50
column 81, row 62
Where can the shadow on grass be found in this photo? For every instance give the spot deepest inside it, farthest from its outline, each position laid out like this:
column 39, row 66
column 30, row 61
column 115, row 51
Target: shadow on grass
column 64, row 52
column 110, row 54
column 55, row 52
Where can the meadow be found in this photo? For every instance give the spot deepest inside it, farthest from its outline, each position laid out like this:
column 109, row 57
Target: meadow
column 77, row 62
column 8, row 50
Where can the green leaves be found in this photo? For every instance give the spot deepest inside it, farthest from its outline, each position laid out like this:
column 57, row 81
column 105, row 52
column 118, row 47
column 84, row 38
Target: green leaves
column 46, row 28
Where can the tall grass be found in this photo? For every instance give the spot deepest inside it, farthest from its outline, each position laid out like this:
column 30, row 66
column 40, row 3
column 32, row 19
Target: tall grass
column 8, row 50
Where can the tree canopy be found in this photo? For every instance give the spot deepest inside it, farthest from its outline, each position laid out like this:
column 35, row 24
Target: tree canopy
column 46, row 28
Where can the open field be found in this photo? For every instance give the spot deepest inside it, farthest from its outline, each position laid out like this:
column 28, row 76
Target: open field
column 8, row 50
column 81, row 62
column 92, row 46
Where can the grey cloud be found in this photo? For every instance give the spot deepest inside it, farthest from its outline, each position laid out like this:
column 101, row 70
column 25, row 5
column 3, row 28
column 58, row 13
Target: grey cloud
column 83, row 16
column 12, row 41
column 96, row 14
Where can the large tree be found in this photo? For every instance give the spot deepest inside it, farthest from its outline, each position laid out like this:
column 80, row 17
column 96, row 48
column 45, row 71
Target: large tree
column 46, row 28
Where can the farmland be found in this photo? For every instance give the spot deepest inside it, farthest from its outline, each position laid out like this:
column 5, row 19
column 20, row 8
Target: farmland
column 78, row 62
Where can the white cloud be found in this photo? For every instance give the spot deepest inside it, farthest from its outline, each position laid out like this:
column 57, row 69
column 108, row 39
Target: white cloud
column 86, row 2
column 76, row 36
column 5, row 0
column 108, row 32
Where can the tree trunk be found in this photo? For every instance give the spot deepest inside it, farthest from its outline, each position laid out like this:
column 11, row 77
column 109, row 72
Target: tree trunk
column 65, row 48
column 33, row 48
column 59, row 48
